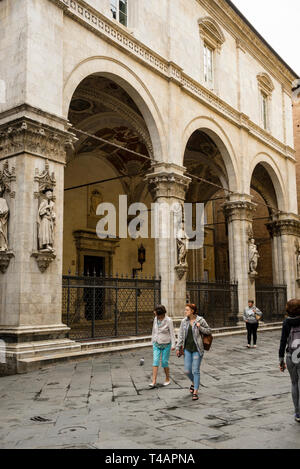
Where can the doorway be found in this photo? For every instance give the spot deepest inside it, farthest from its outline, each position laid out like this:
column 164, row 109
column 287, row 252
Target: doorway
column 94, row 267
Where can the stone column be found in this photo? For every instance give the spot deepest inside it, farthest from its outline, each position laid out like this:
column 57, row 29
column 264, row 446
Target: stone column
column 285, row 234
column 239, row 212
column 32, row 145
column 168, row 186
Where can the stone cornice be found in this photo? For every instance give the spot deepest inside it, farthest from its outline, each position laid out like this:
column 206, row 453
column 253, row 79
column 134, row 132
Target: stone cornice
column 27, row 111
column 222, row 12
column 25, row 135
column 99, row 24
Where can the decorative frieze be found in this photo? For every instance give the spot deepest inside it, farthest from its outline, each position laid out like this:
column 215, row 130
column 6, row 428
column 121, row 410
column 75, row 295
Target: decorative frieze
column 27, row 136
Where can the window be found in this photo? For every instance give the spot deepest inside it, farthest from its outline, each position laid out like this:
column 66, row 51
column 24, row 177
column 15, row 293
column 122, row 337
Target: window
column 264, row 110
column 213, row 38
column 208, row 65
column 266, row 89
column 119, row 11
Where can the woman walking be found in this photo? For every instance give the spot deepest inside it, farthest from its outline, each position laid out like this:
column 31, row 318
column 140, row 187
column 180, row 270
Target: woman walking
column 290, row 344
column 252, row 316
column 190, row 341
column 163, row 339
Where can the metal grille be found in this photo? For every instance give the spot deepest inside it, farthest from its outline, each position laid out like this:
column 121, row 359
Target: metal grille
column 104, row 307
column 217, row 302
column 271, row 300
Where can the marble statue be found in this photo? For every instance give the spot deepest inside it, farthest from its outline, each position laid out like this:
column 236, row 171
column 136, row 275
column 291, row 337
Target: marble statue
column 46, row 221
column 253, row 257
column 4, row 212
column 182, row 246
column 298, row 262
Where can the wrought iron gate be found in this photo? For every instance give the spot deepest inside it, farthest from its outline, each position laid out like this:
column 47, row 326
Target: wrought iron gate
column 271, row 300
column 217, row 301
column 103, row 307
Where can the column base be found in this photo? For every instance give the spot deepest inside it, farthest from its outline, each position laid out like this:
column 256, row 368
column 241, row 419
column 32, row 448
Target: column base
column 21, row 343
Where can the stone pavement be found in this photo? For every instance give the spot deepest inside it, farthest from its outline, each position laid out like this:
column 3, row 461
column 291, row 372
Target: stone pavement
column 105, row 402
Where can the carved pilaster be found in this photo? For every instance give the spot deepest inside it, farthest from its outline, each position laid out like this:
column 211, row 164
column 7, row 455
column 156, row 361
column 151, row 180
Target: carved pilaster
column 25, row 135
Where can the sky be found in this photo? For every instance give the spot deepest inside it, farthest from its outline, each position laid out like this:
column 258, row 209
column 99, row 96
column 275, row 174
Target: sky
column 278, row 22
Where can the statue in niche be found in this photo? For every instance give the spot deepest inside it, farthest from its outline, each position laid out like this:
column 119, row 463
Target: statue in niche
column 95, row 200
column 46, row 221
column 253, row 257
column 4, row 213
column 182, row 246
column 298, row 261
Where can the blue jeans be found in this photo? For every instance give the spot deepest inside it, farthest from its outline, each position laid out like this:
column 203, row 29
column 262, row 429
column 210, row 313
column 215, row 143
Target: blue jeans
column 192, row 362
column 161, row 352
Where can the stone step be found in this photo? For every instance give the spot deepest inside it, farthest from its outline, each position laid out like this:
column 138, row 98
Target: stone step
column 97, row 344
column 97, row 348
column 44, row 348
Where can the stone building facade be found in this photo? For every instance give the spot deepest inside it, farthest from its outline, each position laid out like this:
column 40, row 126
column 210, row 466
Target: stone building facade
column 188, row 84
column 296, row 115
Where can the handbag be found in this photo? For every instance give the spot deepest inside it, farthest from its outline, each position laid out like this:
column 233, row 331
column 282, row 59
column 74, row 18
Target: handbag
column 181, row 352
column 207, row 341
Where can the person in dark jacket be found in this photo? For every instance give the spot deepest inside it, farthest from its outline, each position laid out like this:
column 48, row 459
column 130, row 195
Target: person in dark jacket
column 293, row 366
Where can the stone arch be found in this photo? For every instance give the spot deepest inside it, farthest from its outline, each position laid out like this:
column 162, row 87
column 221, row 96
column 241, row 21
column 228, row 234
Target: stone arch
column 217, row 134
column 274, row 173
column 132, row 84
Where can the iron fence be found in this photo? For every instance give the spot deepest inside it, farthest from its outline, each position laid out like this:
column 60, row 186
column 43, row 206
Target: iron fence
column 271, row 300
column 217, row 301
column 105, row 307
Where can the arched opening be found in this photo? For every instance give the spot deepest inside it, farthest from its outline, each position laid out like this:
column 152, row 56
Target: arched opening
column 203, row 159
column 208, row 278
column 108, row 165
column 264, row 196
column 271, row 295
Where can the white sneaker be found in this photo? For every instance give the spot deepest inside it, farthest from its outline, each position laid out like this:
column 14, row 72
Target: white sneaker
column 167, row 383
column 151, row 385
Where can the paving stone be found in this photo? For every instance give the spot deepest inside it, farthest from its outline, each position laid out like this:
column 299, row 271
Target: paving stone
column 105, row 402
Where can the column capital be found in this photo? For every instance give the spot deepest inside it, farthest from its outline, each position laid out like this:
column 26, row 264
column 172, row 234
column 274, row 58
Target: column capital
column 168, row 181
column 26, row 135
column 239, row 209
column 285, row 226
